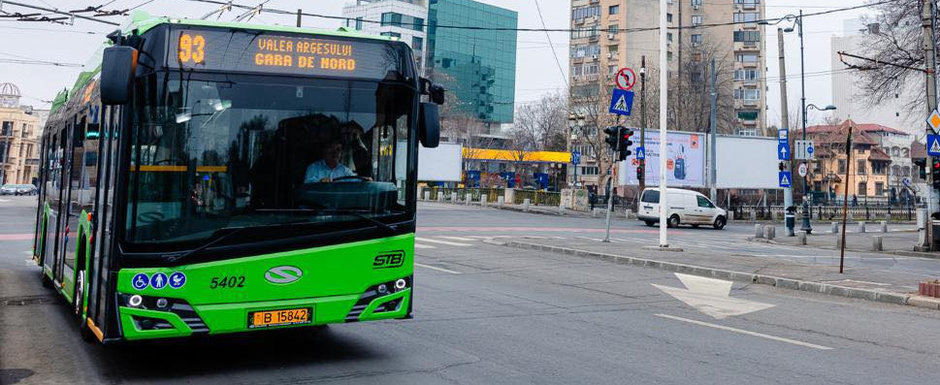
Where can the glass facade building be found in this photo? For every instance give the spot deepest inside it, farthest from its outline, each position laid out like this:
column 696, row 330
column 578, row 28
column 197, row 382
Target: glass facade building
column 478, row 66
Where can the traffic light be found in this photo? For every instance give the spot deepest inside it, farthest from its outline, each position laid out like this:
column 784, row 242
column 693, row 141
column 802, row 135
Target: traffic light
column 640, row 170
column 625, row 143
column 921, row 167
column 613, row 133
column 935, row 172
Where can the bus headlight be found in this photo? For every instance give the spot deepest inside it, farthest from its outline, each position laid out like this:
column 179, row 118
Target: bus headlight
column 400, row 283
column 161, row 303
column 135, row 300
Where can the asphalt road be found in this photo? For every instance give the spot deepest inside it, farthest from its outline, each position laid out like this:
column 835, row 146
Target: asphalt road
column 486, row 314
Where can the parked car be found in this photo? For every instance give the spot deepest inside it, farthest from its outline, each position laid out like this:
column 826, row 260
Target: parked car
column 685, row 207
column 26, row 189
column 8, row 189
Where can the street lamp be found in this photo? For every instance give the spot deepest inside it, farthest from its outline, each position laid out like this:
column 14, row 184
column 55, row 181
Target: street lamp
column 575, row 123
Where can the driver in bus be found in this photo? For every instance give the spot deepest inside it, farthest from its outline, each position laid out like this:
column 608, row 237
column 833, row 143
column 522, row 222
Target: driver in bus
column 329, row 168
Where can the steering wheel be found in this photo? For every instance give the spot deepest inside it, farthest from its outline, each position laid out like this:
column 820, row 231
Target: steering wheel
column 348, row 177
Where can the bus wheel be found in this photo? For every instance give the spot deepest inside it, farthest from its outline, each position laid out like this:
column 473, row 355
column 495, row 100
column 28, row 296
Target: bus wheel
column 79, row 292
column 46, row 281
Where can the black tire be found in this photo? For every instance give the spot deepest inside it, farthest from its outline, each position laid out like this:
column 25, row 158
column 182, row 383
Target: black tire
column 650, row 223
column 720, row 223
column 695, row 226
column 673, row 221
column 46, row 281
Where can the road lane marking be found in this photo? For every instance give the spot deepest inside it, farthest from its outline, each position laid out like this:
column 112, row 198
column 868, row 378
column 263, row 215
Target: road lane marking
column 437, row 268
column 711, row 296
column 420, row 246
column 746, row 332
column 442, row 242
column 479, row 236
column 457, row 238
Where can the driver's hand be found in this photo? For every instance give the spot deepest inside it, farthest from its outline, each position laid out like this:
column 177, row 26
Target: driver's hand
column 367, row 178
column 326, row 180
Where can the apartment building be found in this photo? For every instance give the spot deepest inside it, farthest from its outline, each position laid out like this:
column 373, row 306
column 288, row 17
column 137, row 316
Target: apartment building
column 612, row 34
column 19, row 138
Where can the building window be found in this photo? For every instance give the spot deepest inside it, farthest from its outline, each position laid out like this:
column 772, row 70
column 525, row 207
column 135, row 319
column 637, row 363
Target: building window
column 747, row 36
column 697, row 20
column 418, row 24
column 747, row 94
column 862, row 188
column 584, row 32
column 696, row 39
column 579, row 51
column 615, row 28
column 359, row 24
column 669, row 18
column 746, row 57
column 669, row 55
column 878, row 168
column 879, row 188
column 611, row 69
column 696, row 4
column 746, row 17
column 583, row 12
column 392, row 34
column 747, row 3
column 417, row 43
column 862, row 169
column 841, row 166
column 391, row 18
column 613, row 9
column 748, row 114
column 669, row 36
column 746, row 75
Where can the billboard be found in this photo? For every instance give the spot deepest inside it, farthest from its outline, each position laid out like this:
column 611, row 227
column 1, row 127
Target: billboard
column 685, row 160
column 441, row 164
column 747, row 162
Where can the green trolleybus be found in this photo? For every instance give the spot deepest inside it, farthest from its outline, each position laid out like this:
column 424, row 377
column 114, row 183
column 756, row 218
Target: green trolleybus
column 207, row 177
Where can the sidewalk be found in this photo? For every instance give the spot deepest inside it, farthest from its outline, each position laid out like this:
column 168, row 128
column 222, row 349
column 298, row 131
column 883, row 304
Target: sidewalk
column 891, row 284
column 899, row 240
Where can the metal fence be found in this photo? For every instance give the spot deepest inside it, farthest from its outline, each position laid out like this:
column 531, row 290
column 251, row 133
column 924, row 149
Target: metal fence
column 475, row 193
column 537, row 197
column 867, row 213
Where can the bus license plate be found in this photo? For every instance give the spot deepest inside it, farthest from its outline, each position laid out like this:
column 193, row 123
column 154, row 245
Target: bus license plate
column 268, row 318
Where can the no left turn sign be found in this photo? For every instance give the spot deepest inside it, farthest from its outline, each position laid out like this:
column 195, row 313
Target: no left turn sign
column 626, row 78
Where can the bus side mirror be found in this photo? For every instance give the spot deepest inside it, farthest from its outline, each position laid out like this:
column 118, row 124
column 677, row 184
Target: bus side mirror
column 429, row 125
column 118, row 65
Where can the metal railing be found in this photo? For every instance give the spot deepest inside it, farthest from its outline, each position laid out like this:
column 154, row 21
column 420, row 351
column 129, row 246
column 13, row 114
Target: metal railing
column 537, row 197
column 826, row 213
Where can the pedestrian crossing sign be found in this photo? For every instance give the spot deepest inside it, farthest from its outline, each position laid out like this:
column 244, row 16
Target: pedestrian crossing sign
column 621, row 102
column 933, row 145
column 785, row 178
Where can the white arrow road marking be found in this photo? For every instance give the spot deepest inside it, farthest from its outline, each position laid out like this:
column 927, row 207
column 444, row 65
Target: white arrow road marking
column 747, row 332
column 711, row 296
column 422, row 239
column 437, row 268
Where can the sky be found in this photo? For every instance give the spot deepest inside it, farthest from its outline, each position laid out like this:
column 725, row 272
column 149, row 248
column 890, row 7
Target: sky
column 537, row 72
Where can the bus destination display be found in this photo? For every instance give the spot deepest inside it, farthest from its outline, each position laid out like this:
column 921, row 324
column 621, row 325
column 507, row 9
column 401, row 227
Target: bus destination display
column 281, row 53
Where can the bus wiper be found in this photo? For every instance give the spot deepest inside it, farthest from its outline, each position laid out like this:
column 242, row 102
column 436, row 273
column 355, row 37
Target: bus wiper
column 385, row 226
column 231, row 231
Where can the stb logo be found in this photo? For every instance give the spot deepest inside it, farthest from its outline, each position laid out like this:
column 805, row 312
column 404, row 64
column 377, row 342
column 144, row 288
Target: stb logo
column 283, row 274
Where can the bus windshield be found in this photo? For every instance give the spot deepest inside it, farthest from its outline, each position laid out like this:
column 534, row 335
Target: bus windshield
column 212, row 152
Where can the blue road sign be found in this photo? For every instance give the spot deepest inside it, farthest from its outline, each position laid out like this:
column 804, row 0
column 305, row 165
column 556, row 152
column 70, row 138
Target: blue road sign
column 783, row 151
column 785, row 179
column 177, row 280
column 140, row 281
column 158, row 280
column 575, row 157
column 810, row 150
column 621, row 102
column 933, row 145
column 641, row 153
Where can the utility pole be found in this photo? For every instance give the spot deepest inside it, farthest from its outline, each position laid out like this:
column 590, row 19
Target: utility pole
column 929, row 56
column 642, row 181
column 713, row 123
column 663, row 106
column 784, row 119
column 678, row 71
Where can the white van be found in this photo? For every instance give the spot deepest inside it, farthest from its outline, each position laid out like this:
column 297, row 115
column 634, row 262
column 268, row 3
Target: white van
column 685, row 207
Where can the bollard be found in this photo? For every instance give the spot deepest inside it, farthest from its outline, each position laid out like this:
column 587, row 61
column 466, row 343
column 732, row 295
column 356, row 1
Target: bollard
column 469, row 199
column 427, row 195
column 594, row 213
column 876, row 243
column 753, row 215
column 483, row 199
column 525, row 204
column 769, row 231
column 888, row 218
column 861, row 226
column 453, row 197
column 758, row 232
column 801, row 238
column 500, row 200
column 884, row 226
column 835, row 227
column 440, row 197
column 561, row 209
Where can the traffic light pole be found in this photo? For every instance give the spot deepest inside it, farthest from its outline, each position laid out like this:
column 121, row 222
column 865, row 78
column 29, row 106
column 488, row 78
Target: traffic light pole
column 614, row 155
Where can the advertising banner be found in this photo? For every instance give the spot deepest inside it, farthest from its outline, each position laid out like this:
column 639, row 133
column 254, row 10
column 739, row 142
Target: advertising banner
column 685, row 160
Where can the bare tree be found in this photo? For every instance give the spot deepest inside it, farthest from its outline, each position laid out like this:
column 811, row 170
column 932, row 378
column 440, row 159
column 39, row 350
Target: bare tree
column 545, row 120
column 896, row 37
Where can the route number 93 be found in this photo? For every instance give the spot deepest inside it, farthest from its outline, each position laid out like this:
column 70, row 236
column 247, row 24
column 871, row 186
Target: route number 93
column 192, row 48
column 227, row 282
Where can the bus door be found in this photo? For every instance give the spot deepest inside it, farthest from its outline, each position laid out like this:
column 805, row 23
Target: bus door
column 75, row 194
column 54, row 223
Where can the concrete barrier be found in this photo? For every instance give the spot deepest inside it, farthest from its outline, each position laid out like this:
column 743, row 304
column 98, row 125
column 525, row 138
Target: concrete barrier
column 483, row 199
column 453, row 197
column 427, row 195
column 469, row 199
column 758, row 231
column 835, row 227
column 801, row 238
column 884, row 226
column 770, row 232
column 861, row 226
column 525, row 204
column 876, row 243
column 440, row 197
column 500, row 201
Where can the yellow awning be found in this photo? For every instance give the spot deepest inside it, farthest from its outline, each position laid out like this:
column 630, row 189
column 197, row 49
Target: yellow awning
column 516, row 156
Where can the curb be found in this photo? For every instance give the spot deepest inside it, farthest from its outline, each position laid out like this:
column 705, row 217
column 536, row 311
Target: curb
column 737, row 276
column 902, row 253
